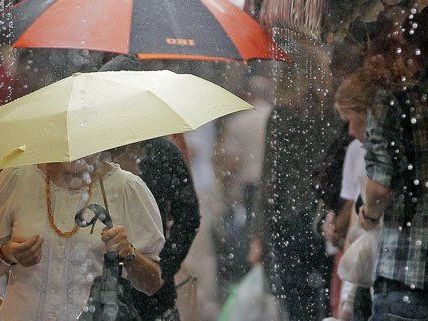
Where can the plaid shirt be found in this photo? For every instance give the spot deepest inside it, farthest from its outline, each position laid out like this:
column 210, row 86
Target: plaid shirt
column 403, row 253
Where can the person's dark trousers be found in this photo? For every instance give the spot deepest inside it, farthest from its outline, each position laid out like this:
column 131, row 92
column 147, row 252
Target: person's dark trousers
column 362, row 305
column 395, row 301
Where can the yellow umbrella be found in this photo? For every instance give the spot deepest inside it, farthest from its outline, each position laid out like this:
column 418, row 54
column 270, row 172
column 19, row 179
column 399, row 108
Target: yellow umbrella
column 88, row 113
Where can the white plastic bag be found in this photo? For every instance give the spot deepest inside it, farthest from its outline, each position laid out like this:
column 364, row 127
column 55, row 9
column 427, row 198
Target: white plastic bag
column 251, row 301
column 358, row 264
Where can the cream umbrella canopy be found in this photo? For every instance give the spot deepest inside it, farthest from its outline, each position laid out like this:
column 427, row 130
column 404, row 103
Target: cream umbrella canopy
column 88, row 113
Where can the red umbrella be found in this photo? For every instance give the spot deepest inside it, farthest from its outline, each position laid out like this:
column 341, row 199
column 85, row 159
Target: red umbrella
column 151, row 29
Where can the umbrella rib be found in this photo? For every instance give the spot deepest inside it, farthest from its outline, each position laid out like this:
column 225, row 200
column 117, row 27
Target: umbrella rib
column 152, row 93
column 173, row 110
column 68, row 116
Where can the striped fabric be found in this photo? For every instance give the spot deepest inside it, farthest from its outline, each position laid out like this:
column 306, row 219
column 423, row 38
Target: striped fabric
column 403, row 253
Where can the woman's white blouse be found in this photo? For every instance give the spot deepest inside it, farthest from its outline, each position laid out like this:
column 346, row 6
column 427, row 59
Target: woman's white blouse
column 57, row 288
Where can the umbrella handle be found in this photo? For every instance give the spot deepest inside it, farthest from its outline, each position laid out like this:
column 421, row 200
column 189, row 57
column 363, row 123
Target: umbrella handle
column 100, row 213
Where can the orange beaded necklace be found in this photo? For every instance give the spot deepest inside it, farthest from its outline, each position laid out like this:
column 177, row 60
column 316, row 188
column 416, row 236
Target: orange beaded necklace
column 51, row 217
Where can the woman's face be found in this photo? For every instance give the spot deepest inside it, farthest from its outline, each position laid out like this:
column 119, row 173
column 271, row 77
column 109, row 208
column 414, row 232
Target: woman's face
column 77, row 173
column 357, row 124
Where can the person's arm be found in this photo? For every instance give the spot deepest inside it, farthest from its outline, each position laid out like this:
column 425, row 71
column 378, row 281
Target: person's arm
column 335, row 227
column 378, row 199
column 142, row 231
column 143, row 272
column 382, row 129
column 184, row 212
column 349, row 192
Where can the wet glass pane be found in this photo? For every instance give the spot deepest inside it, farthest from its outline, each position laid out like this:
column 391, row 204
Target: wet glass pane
column 213, row 160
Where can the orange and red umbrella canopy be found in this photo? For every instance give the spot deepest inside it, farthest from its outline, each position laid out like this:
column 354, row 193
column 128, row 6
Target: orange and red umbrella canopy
column 151, row 29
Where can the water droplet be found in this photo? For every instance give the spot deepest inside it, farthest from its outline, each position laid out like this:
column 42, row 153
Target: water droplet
column 413, row 11
column 414, row 199
column 418, row 243
column 412, row 286
column 411, row 31
column 399, row 50
column 424, row 98
column 410, row 167
column 413, row 120
column 426, row 184
column 406, row 299
column 411, row 16
column 416, row 182
column 92, row 309
column 392, row 143
column 392, row 103
column 414, row 25
column 85, row 308
column 406, row 268
column 403, row 116
column 408, row 224
column 400, row 228
column 90, row 277
column 403, row 78
column 417, row 52
column 85, row 196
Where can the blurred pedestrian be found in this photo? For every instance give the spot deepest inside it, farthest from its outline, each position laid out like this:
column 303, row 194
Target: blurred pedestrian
column 52, row 261
column 161, row 166
column 397, row 167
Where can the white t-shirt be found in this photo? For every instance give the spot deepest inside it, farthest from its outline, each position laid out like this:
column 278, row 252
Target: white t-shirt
column 354, row 176
column 58, row 287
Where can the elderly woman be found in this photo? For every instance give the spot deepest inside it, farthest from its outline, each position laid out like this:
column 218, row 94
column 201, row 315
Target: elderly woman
column 52, row 262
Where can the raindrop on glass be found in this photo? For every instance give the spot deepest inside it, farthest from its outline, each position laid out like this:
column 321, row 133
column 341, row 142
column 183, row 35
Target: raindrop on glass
column 406, row 299
column 418, row 243
column 413, row 120
column 416, row 182
column 417, row 52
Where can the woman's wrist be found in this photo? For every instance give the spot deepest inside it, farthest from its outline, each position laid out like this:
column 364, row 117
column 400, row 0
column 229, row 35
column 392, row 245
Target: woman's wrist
column 131, row 254
column 373, row 219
